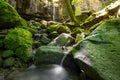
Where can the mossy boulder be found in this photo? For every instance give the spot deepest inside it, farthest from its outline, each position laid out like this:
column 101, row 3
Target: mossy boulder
column 99, row 53
column 9, row 62
column 7, row 53
column 62, row 40
column 9, row 17
column 20, row 41
column 59, row 28
column 48, row 55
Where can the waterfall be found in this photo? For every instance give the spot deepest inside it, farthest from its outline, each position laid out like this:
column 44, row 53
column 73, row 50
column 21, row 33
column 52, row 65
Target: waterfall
column 55, row 10
column 65, row 51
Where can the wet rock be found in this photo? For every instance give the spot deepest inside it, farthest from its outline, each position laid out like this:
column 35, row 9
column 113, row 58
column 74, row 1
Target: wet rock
column 62, row 40
column 98, row 54
column 48, row 55
column 9, row 17
column 53, row 34
column 9, row 62
column 45, row 40
column 7, row 53
column 36, row 44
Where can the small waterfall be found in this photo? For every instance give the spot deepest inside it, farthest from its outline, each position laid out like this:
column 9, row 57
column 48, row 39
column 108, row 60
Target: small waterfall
column 54, row 10
column 65, row 51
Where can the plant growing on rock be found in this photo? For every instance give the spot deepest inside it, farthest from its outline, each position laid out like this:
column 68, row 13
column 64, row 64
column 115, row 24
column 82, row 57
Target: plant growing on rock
column 20, row 41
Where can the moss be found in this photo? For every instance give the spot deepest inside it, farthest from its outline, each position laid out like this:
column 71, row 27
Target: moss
column 19, row 40
column 102, row 45
column 8, row 62
column 23, row 53
column 1, row 43
column 7, row 53
column 9, row 16
column 48, row 55
column 52, row 28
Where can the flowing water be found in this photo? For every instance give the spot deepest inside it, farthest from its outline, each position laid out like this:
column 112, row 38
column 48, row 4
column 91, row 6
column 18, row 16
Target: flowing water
column 49, row 72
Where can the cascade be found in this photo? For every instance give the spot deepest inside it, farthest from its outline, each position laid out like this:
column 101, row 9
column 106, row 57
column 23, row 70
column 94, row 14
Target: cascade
column 54, row 10
column 65, row 51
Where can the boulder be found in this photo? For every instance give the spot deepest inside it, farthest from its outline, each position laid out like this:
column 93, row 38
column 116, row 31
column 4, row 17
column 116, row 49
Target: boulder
column 7, row 53
column 62, row 40
column 48, row 55
column 20, row 41
column 9, row 17
column 9, row 62
column 98, row 54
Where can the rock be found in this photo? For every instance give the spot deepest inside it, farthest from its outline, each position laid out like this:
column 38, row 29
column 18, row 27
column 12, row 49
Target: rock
column 62, row 40
column 63, row 29
column 98, row 54
column 20, row 41
column 52, row 28
column 1, row 43
column 9, row 17
column 36, row 44
column 7, row 53
column 44, row 40
column 1, row 61
column 59, row 28
column 9, row 62
column 23, row 53
column 53, row 34
column 48, row 55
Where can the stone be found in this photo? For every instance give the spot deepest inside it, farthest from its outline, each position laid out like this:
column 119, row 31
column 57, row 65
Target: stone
column 20, row 41
column 1, row 61
column 98, row 54
column 62, row 40
column 48, row 55
column 44, row 40
column 36, row 44
column 9, row 17
column 9, row 62
column 7, row 53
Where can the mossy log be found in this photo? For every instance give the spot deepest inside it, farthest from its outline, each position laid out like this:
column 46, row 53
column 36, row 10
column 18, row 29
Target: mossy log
column 106, row 13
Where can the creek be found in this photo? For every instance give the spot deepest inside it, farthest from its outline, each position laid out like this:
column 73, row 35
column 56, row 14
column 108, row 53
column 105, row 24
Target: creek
column 45, row 72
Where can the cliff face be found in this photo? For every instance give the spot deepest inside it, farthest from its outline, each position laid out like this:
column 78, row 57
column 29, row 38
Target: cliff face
column 31, row 8
column 44, row 9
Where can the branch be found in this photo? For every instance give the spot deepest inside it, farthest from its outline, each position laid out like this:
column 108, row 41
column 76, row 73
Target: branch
column 110, row 10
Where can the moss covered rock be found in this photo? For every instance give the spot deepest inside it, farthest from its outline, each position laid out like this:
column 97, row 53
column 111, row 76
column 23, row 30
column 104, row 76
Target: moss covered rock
column 7, row 53
column 9, row 17
column 20, row 41
column 98, row 55
column 9, row 62
column 59, row 28
column 48, row 55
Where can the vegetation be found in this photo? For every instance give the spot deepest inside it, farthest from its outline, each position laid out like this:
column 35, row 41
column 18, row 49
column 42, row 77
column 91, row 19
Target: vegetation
column 9, row 16
column 20, row 41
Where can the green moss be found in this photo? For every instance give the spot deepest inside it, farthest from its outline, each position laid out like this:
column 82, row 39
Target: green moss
column 52, row 28
column 1, row 43
column 23, row 53
column 8, row 62
column 19, row 40
column 102, row 46
column 59, row 28
column 18, row 37
column 7, row 53
column 9, row 16
column 48, row 55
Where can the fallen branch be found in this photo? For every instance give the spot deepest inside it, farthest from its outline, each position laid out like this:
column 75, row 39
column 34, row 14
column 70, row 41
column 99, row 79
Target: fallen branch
column 106, row 13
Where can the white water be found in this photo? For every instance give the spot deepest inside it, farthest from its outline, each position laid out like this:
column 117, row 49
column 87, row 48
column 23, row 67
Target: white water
column 54, row 11
column 65, row 51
